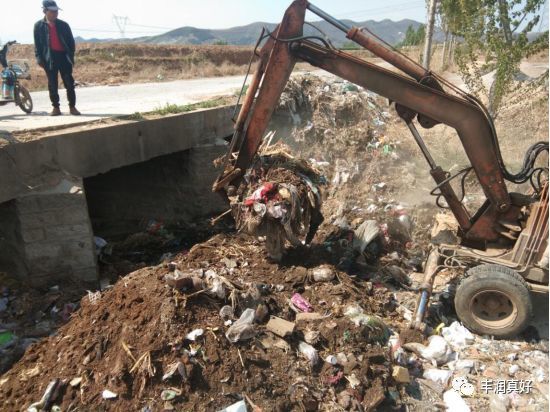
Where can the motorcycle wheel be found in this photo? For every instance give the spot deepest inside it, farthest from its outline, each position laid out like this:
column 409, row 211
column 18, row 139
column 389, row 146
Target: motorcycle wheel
column 23, row 99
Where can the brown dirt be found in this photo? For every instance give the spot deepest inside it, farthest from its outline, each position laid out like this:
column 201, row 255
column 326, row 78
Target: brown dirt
column 149, row 317
column 99, row 64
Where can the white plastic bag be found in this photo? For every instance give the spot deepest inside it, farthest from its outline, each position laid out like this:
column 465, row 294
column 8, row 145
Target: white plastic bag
column 457, row 335
column 243, row 328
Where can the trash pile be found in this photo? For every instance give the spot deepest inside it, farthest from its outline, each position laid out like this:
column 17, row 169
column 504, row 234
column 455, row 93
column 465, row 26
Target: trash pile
column 27, row 315
column 218, row 326
column 280, row 198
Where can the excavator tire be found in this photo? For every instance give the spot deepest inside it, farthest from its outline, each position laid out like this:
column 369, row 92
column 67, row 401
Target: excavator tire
column 494, row 300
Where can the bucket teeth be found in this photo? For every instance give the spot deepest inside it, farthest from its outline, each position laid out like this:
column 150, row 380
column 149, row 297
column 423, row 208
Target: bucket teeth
column 511, row 227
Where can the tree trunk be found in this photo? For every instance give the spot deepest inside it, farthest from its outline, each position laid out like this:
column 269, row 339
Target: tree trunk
column 450, row 51
column 505, row 21
column 429, row 34
column 445, row 48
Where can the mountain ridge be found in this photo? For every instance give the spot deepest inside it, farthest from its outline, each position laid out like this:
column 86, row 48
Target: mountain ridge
column 388, row 30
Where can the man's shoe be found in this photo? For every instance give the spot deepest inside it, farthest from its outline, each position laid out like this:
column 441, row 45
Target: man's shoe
column 74, row 111
column 55, row 111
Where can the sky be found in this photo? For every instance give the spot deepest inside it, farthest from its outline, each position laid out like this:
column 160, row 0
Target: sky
column 95, row 18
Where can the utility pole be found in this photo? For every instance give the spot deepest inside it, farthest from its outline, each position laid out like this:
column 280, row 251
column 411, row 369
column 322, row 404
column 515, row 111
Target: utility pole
column 429, row 35
column 121, row 22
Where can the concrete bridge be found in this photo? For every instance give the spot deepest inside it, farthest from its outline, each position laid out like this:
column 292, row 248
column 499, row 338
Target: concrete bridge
column 59, row 187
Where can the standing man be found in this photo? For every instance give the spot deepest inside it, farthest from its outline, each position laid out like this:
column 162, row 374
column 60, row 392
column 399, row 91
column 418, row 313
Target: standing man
column 54, row 50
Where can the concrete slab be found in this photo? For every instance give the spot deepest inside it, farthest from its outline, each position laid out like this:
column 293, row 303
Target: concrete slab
column 109, row 101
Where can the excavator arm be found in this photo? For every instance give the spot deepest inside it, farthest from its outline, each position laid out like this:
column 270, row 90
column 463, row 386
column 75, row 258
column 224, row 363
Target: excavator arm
column 416, row 93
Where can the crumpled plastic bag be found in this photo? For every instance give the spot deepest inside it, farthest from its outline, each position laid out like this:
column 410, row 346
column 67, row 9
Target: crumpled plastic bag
column 309, row 352
column 454, row 402
column 438, row 350
column 243, row 328
column 457, row 335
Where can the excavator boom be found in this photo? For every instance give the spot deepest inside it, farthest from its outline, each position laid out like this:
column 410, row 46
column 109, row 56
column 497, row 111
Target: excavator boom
column 416, row 94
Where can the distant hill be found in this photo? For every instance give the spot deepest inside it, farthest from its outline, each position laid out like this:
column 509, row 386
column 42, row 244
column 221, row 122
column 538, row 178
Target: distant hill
column 390, row 31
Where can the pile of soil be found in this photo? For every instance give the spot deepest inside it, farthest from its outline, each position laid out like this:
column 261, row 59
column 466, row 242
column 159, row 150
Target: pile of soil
column 125, row 340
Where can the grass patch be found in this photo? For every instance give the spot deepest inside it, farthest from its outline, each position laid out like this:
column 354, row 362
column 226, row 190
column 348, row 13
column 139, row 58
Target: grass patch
column 134, row 116
column 175, row 108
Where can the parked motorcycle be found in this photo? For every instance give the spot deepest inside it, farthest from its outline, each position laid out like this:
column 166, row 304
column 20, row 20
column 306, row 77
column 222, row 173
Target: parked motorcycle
column 12, row 90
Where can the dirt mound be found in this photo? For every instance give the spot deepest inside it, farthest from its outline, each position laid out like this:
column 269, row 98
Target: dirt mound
column 125, row 339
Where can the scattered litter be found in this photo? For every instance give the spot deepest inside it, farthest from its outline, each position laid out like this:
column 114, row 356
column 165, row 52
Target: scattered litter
column 75, row 382
column 243, row 328
column 462, row 365
column 178, row 367
column 401, row 374
column 331, row 359
column 308, row 317
column 93, row 297
column 46, row 398
column 300, row 303
column 184, row 281
column 280, row 327
column 107, row 394
column 193, row 335
column 365, row 234
column 309, row 352
column 6, row 337
column 236, row 407
column 312, row 337
column 374, row 329
column 454, row 402
column 353, row 381
column 169, row 394
column 270, row 341
column 439, row 376
column 226, row 312
column 323, row 274
column 437, row 350
column 457, row 335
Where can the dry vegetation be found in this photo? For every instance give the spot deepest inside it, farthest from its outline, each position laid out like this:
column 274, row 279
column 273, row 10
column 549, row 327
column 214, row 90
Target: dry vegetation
column 135, row 63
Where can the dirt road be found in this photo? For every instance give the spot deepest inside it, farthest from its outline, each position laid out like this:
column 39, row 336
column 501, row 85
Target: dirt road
column 108, row 101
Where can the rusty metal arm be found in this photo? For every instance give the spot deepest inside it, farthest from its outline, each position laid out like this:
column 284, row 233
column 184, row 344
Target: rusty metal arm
column 469, row 122
column 271, row 75
column 277, row 59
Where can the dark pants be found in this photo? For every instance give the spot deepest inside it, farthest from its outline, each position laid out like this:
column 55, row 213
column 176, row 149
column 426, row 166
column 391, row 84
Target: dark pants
column 61, row 64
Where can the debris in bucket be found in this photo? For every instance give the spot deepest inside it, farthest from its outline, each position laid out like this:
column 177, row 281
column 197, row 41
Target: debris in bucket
column 279, row 199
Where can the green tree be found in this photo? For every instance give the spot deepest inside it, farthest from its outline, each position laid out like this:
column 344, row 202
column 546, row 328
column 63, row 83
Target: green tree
column 413, row 37
column 494, row 34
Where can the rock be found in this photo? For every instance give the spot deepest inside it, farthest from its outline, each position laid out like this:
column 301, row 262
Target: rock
column 401, row 374
column 308, row 317
column 75, row 382
column 280, row 327
column 270, row 341
column 262, row 312
column 107, row 394
column 323, row 274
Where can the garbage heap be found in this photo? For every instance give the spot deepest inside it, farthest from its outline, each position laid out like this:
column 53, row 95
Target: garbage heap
column 219, row 325
column 280, row 198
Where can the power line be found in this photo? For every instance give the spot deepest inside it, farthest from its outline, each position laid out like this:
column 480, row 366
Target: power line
column 121, row 22
column 383, row 9
column 116, row 31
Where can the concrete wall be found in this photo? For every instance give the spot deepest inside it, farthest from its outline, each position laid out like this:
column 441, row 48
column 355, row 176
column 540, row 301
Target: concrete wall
column 45, row 229
column 170, row 188
column 41, row 163
column 57, row 235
